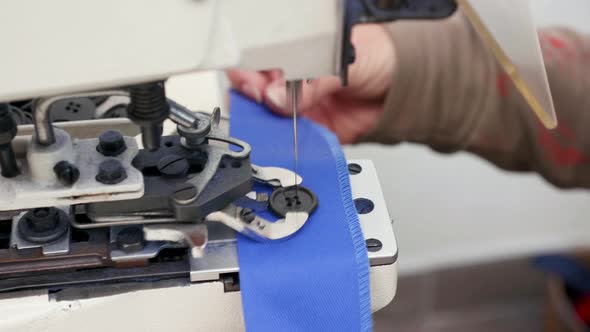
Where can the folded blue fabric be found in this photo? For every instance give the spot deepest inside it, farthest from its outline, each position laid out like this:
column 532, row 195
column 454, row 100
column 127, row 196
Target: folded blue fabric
column 318, row 280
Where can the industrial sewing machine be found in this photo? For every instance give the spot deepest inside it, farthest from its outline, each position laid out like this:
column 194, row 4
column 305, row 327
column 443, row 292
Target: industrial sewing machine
column 81, row 203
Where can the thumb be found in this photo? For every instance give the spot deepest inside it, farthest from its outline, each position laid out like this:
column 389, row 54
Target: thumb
column 312, row 93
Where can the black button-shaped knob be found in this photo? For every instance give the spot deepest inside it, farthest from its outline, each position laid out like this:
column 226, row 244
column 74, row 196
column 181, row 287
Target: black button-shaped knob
column 66, row 173
column 111, row 171
column 111, row 143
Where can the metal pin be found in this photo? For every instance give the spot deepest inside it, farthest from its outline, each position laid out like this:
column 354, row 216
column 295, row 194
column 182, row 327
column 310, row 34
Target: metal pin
column 293, row 96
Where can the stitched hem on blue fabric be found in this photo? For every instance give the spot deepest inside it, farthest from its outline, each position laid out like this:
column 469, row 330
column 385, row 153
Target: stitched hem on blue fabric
column 356, row 233
column 264, row 302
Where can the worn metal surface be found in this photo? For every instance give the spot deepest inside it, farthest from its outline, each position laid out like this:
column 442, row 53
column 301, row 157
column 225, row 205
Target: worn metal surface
column 90, row 253
column 42, row 118
column 192, row 235
column 276, row 176
column 220, row 257
column 22, row 193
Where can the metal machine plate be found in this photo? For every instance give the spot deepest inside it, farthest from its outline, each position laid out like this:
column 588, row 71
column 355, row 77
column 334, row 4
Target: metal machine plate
column 57, row 247
column 221, row 255
column 22, row 193
column 376, row 224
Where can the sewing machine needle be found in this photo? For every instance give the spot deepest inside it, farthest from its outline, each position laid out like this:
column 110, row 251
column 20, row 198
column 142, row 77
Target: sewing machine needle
column 293, row 96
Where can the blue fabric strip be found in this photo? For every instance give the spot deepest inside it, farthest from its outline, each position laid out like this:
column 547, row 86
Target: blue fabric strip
column 317, row 280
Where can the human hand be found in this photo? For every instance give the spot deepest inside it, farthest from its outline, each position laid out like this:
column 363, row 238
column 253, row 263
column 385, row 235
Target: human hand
column 350, row 111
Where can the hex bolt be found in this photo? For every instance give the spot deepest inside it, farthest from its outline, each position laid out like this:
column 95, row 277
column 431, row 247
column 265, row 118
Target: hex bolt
column 43, row 225
column 111, row 143
column 247, row 215
column 130, row 239
column 373, row 245
column 43, row 219
column 173, row 165
column 185, row 193
column 66, row 173
column 111, row 171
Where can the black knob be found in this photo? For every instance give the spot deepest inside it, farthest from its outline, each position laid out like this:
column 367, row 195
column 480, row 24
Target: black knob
column 111, row 143
column 43, row 225
column 66, row 173
column 111, row 171
column 42, row 219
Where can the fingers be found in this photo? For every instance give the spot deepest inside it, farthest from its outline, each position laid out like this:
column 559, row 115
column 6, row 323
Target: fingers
column 252, row 83
column 275, row 94
column 349, row 119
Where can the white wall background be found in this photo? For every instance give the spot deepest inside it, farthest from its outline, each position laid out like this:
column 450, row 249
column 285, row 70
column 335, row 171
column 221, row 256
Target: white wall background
column 458, row 209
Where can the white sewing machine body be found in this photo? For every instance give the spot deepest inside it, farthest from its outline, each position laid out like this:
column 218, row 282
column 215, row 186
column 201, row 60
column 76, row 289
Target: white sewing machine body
column 181, row 305
column 68, row 46
column 81, row 271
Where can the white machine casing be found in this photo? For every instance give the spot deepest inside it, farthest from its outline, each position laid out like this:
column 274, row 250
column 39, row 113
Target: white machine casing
column 64, row 46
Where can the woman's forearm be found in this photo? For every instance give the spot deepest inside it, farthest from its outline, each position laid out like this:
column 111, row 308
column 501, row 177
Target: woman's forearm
column 449, row 92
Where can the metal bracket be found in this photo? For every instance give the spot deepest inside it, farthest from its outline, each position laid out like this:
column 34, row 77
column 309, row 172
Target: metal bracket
column 194, row 235
column 21, row 192
column 151, row 249
column 276, row 176
column 56, row 247
column 259, row 228
column 221, row 256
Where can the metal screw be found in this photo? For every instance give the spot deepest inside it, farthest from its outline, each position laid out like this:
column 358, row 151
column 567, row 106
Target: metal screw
column 111, row 171
column 43, row 225
column 41, row 212
column 173, row 165
column 354, row 169
column 373, row 245
column 43, row 219
column 66, row 173
column 185, row 193
column 111, row 143
column 363, row 205
column 247, row 215
column 130, row 239
column 196, row 135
